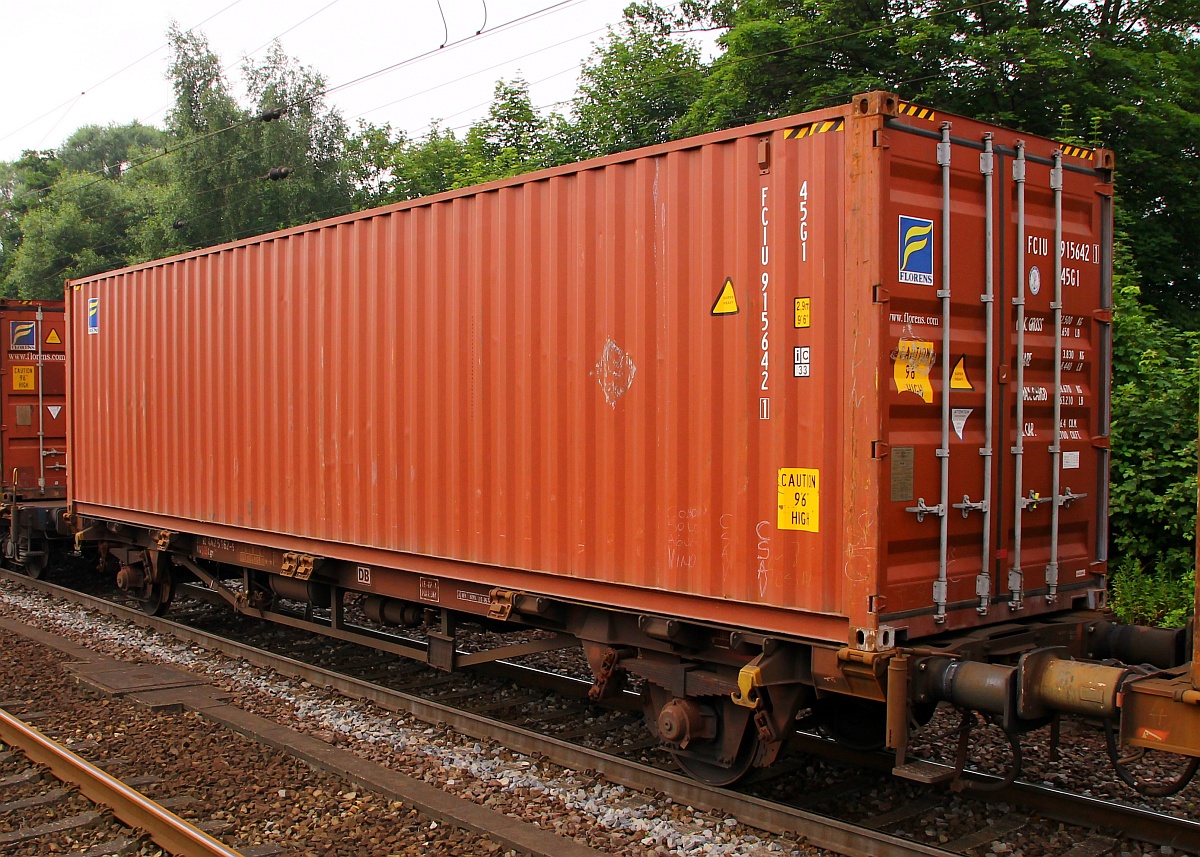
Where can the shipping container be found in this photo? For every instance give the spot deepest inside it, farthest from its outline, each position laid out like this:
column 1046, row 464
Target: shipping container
column 840, row 376
column 33, row 434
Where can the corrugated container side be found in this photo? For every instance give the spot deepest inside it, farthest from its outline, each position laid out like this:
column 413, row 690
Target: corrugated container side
column 539, row 383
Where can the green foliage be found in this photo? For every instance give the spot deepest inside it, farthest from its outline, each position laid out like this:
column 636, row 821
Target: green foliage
column 223, row 153
column 635, row 87
column 1124, row 75
column 1154, row 429
column 1153, row 486
column 1152, row 598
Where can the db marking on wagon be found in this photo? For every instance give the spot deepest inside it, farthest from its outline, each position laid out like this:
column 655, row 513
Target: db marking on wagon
column 916, row 251
column 799, row 499
column 23, row 335
column 93, row 315
column 363, row 575
column 430, row 589
column 726, row 302
column 24, row 379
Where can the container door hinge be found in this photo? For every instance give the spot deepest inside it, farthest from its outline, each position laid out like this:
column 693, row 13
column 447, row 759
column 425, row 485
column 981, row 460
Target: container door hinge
column 880, row 449
column 881, row 295
column 162, row 539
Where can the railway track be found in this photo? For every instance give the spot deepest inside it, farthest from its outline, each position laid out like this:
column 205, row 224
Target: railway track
column 106, row 792
column 1096, row 827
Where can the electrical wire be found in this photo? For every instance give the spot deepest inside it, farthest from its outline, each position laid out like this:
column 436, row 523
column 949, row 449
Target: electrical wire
column 120, row 71
column 191, row 141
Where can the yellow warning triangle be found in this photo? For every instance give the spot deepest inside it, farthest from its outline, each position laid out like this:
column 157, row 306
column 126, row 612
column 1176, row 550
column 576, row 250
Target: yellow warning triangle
column 958, row 378
column 726, row 302
column 52, row 337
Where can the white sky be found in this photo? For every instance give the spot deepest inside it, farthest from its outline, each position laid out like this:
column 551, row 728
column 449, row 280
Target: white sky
column 116, row 55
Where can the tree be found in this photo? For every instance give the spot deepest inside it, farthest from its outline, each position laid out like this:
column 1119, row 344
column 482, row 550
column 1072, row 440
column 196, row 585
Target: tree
column 1121, row 74
column 224, row 153
column 636, row 86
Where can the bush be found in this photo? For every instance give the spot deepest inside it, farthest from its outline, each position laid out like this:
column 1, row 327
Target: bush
column 1153, row 483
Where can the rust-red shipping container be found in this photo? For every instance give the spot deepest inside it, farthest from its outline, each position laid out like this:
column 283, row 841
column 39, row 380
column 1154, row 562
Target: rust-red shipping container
column 830, row 376
column 32, row 397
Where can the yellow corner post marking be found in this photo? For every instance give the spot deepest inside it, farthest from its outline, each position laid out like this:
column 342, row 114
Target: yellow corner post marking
column 907, row 109
column 799, row 499
column 802, row 131
column 726, row 302
column 24, row 378
column 52, row 338
column 914, row 359
column 1078, row 152
column 803, row 312
column 958, row 378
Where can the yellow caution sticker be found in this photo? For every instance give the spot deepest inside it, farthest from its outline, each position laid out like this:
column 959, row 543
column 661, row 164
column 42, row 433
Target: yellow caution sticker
column 52, row 338
column 24, row 379
column 799, row 499
column 914, row 359
column 958, row 378
column 726, row 302
column 803, row 312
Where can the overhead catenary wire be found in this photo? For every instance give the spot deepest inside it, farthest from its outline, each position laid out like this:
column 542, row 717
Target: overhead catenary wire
column 558, row 6
column 116, row 73
column 660, row 77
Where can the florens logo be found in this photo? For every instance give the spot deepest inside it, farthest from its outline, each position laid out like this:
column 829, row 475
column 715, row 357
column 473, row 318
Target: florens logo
column 22, row 336
column 916, row 251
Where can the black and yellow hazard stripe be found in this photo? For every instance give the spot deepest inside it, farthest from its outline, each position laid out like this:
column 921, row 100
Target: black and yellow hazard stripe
column 802, row 131
column 906, row 109
column 1078, row 152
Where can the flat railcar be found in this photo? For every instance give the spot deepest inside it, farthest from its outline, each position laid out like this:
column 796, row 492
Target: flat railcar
column 810, row 415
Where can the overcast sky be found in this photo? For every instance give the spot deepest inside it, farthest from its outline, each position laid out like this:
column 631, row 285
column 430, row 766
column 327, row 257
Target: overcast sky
column 115, row 55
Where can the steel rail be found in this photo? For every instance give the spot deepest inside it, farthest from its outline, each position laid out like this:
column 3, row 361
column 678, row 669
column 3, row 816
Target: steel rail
column 821, row 831
column 131, row 806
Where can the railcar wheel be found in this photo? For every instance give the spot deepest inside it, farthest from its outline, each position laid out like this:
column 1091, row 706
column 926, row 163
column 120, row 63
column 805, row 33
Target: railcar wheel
column 159, row 599
column 713, row 740
column 711, row 773
column 35, row 566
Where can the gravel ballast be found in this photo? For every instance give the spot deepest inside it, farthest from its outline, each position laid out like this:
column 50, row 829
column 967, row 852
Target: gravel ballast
column 601, row 815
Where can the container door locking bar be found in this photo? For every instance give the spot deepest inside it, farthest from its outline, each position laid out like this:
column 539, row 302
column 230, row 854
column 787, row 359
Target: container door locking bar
column 939, row 585
column 1016, row 586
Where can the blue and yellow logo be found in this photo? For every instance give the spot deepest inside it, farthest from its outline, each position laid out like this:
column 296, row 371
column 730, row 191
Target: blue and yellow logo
column 916, row 251
column 93, row 315
column 22, row 335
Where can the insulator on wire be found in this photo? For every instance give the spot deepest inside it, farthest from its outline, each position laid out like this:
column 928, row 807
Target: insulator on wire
column 278, row 173
column 272, row 114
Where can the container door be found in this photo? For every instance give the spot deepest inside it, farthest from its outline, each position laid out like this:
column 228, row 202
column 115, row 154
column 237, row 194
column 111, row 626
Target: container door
column 33, row 449
column 939, row 365
column 1056, row 262
column 964, row 488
